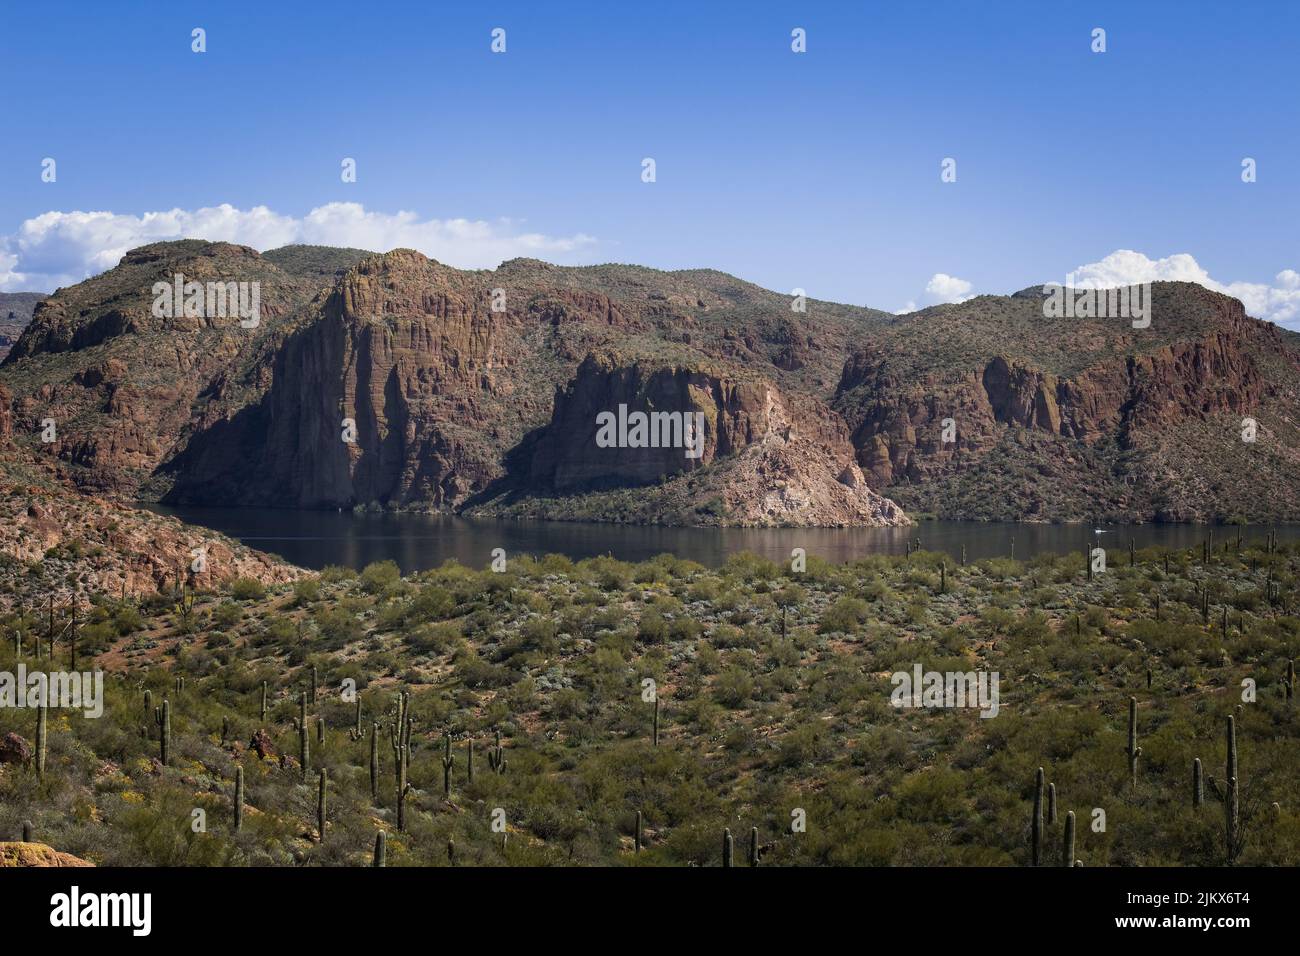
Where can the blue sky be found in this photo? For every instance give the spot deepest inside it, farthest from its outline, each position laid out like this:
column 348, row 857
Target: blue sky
column 817, row 170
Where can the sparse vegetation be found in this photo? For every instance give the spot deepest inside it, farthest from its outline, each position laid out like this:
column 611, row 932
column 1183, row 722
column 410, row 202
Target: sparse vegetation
column 752, row 725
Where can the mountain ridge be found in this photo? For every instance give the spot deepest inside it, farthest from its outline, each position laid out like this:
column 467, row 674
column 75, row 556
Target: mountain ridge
column 454, row 379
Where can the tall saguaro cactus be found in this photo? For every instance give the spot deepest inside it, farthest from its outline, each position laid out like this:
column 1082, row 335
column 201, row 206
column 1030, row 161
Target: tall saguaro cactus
column 320, row 808
column 163, row 717
column 239, row 799
column 304, row 749
column 374, row 763
column 1036, row 823
column 1230, row 795
column 447, row 761
column 726, row 847
column 1231, row 803
column 1067, row 850
column 1134, row 751
column 42, row 735
column 381, row 849
column 400, row 739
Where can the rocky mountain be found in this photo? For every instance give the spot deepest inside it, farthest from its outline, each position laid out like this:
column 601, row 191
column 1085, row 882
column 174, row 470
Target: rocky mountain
column 393, row 381
column 15, row 312
column 1080, row 418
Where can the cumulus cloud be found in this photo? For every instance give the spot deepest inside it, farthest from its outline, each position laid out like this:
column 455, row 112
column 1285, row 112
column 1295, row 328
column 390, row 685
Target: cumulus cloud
column 940, row 289
column 1278, row 302
column 61, row 248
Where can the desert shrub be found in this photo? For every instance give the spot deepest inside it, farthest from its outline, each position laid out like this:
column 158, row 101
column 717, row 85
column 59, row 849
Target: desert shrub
column 247, row 589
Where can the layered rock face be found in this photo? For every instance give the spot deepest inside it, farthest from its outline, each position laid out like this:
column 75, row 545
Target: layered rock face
column 1115, row 401
column 900, row 432
column 450, row 401
column 774, row 466
column 405, row 389
column 125, row 387
column 732, row 415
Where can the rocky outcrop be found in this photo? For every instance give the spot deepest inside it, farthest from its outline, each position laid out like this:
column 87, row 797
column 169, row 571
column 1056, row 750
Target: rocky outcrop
column 899, row 431
column 405, row 390
column 15, row 749
column 90, row 545
column 36, row 854
column 764, row 462
column 6, row 415
column 1091, row 419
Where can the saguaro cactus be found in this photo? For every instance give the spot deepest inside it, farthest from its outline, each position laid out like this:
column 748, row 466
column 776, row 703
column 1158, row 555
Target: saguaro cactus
column 497, row 756
column 1230, row 795
column 381, row 850
column 42, row 733
column 943, row 577
column 263, row 717
column 1036, row 822
column 163, row 717
column 726, row 847
column 374, row 763
column 320, row 808
column 447, row 761
column 1198, row 784
column 1051, row 804
column 1067, row 850
column 303, row 747
column 753, row 846
column 320, row 730
column 313, row 684
column 400, row 734
column 239, row 799
column 1231, row 803
column 1134, row 751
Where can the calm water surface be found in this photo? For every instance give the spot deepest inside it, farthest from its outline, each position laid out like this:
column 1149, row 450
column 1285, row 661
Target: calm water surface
column 314, row 539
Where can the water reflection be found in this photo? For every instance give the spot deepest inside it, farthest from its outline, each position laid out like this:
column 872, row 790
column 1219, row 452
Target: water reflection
column 315, row 539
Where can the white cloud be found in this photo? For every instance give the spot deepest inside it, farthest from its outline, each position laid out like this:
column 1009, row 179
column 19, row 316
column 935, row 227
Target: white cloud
column 946, row 288
column 940, row 289
column 1279, row 302
column 62, row 248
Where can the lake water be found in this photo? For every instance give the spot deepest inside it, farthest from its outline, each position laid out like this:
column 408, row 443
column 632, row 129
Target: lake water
column 314, row 539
